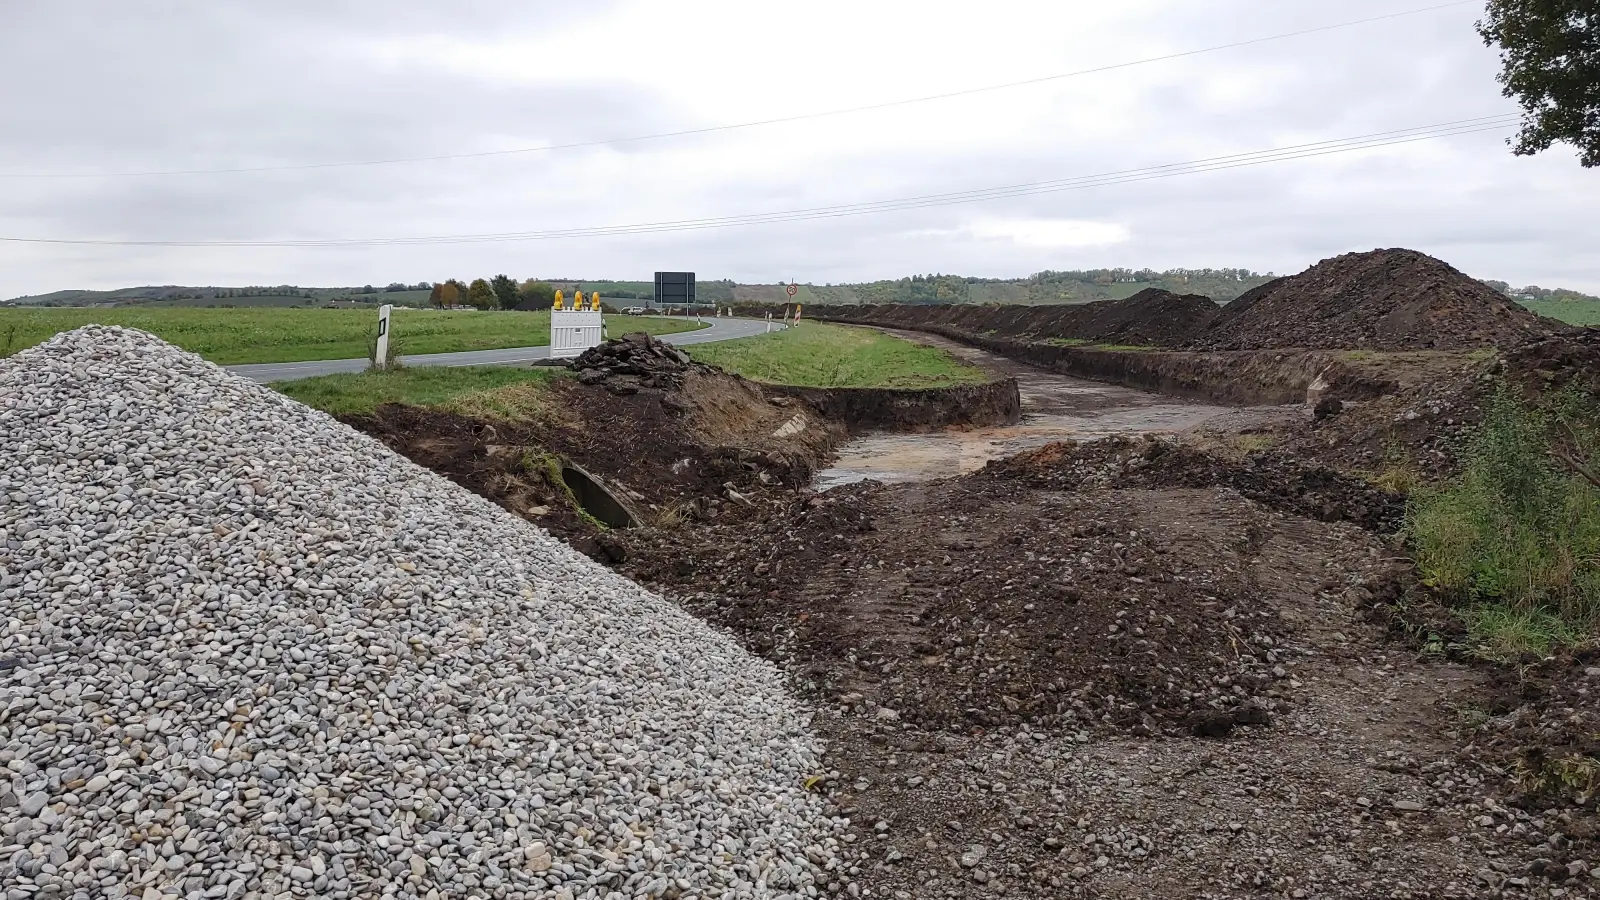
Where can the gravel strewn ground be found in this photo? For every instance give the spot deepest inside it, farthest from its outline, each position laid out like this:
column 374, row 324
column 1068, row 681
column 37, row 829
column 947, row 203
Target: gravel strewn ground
column 248, row 652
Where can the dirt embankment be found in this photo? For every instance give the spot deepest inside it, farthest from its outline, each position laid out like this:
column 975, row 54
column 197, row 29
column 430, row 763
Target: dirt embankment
column 996, row 402
column 1382, row 300
column 1234, row 379
column 669, row 439
column 1280, row 343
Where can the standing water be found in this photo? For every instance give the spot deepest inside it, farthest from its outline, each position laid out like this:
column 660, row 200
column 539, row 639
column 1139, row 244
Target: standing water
column 1054, row 408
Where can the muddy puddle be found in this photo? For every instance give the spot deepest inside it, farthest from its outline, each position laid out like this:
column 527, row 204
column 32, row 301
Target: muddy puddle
column 1054, row 408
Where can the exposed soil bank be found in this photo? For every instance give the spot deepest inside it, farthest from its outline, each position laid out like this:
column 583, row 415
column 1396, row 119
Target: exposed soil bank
column 1233, row 378
column 912, row 409
column 1054, row 408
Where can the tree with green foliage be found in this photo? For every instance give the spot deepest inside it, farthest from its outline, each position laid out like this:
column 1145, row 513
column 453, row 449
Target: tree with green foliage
column 1550, row 64
column 505, row 291
column 537, row 294
column 480, row 295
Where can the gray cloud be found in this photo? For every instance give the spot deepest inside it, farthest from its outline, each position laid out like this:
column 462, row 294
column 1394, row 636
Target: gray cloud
column 114, row 87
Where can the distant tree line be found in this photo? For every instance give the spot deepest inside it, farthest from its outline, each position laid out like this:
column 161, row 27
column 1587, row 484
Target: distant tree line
column 501, row 291
column 1053, row 286
column 1534, row 292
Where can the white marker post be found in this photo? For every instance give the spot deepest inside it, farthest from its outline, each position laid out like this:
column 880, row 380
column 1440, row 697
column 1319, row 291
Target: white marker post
column 380, row 359
column 769, row 323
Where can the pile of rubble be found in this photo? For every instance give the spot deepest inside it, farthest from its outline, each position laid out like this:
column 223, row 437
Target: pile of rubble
column 635, row 361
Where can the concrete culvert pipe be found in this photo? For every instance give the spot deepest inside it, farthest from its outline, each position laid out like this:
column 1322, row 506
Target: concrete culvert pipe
column 594, row 498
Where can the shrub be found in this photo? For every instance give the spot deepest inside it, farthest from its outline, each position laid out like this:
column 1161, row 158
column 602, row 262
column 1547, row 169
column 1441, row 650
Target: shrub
column 1520, row 527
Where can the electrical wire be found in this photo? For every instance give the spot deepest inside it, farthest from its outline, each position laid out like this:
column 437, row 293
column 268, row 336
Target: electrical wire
column 1125, row 176
column 753, row 124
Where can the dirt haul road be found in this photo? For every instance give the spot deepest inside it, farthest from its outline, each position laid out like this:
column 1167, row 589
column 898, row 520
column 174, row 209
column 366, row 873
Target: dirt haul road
column 1123, row 669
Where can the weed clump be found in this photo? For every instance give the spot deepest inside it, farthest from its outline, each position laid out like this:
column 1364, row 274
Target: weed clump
column 1516, row 536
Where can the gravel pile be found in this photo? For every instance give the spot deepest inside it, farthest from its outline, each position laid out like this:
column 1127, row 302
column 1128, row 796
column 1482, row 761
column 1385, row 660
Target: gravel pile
column 248, row 652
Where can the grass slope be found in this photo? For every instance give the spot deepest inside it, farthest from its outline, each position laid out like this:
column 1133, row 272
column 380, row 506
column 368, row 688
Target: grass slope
column 457, row 388
column 1573, row 312
column 818, row 355
column 233, row 336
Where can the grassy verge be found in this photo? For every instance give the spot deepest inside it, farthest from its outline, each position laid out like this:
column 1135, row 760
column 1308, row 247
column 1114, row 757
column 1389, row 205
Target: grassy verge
column 484, row 391
column 260, row 335
column 1515, row 539
column 819, row 355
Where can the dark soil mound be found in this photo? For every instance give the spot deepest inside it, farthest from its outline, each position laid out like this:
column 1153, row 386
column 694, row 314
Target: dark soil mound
column 1382, row 300
column 972, row 604
column 1152, row 317
column 1271, row 479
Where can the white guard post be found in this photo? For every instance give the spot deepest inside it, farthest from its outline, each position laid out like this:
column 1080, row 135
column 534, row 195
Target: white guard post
column 380, row 359
column 573, row 331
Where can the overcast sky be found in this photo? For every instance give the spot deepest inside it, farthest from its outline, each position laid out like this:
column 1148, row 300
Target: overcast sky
column 105, row 86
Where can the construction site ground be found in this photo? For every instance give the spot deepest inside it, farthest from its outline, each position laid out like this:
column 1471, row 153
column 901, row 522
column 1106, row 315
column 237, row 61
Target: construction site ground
column 1159, row 665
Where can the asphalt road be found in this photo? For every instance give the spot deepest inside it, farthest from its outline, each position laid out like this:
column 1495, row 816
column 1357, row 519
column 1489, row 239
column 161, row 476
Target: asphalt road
column 719, row 330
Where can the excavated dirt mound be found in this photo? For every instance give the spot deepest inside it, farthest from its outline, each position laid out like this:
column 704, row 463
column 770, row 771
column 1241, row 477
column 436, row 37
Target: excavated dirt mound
column 1150, row 318
column 1272, row 479
column 1011, row 597
column 1383, row 300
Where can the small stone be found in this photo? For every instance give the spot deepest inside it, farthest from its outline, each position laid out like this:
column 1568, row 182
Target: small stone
column 1408, row 806
column 34, row 802
column 973, row 855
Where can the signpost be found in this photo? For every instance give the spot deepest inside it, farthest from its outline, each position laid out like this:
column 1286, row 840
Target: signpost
column 380, row 358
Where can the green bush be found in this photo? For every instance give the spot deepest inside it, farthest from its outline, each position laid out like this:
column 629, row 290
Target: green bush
column 1517, row 534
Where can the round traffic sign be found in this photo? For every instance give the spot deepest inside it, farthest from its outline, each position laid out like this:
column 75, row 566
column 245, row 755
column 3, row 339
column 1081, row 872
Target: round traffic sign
column 791, row 290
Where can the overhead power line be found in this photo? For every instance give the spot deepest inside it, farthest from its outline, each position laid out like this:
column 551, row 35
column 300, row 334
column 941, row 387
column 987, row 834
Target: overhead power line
column 1125, row 176
column 712, row 129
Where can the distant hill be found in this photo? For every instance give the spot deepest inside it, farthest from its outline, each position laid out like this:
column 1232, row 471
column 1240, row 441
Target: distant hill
column 252, row 295
column 1048, row 287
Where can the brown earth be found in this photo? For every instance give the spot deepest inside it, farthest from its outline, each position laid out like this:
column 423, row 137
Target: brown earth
column 678, row 441
column 1126, row 668
column 1152, row 317
column 1109, row 670
column 1382, row 300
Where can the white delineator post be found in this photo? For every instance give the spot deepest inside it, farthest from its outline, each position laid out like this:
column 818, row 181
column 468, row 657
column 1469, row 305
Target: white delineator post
column 380, row 359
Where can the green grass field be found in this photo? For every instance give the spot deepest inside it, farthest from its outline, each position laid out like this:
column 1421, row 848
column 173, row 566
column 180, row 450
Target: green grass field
column 1573, row 312
column 818, row 355
column 460, row 388
column 260, row 335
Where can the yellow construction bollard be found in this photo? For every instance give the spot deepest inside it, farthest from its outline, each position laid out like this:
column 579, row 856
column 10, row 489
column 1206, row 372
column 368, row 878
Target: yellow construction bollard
column 558, row 301
column 594, row 301
column 797, row 314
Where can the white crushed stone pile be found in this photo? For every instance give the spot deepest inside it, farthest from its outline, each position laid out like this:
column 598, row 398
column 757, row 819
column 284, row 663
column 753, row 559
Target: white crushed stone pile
column 248, row 652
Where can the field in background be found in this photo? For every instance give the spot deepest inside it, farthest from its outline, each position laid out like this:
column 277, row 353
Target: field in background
column 817, row 355
column 1573, row 312
column 260, row 335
